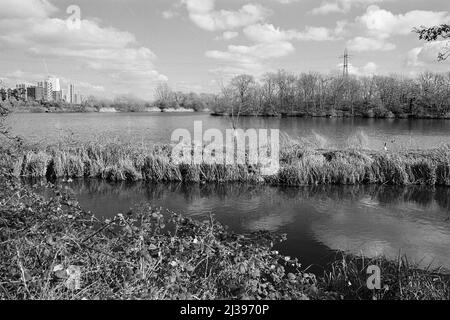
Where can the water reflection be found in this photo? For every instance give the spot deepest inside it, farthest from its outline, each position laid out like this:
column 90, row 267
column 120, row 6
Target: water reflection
column 370, row 220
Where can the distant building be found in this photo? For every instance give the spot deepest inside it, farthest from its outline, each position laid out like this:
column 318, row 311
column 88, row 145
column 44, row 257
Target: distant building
column 55, row 83
column 48, row 90
column 57, row 96
column 64, row 95
column 35, row 94
column 71, row 94
column 21, row 91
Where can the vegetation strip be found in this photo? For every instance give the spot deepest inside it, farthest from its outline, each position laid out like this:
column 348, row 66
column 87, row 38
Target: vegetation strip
column 300, row 166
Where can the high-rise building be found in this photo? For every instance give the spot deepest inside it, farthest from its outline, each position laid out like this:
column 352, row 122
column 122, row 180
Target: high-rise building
column 55, row 83
column 35, row 93
column 21, row 91
column 48, row 90
column 57, row 96
column 71, row 94
column 64, row 95
column 51, row 85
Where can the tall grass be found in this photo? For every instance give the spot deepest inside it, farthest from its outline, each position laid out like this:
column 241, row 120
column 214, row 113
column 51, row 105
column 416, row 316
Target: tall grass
column 300, row 166
column 400, row 280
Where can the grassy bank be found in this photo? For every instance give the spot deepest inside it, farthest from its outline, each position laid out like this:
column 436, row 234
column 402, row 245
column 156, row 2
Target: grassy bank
column 50, row 248
column 300, row 166
column 342, row 114
column 400, row 280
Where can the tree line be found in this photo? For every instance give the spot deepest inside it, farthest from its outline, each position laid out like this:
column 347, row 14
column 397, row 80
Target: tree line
column 315, row 94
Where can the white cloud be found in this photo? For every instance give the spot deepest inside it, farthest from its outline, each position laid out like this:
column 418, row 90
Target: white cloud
column 340, row 6
column 360, row 44
column 427, row 56
column 268, row 43
column 269, row 33
column 169, row 14
column 384, row 24
column 204, row 15
column 114, row 55
column 228, row 35
column 368, row 69
column 26, row 8
column 249, row 59
column 286, row 1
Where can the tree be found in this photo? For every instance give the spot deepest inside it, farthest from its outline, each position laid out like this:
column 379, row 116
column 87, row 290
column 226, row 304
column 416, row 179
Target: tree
column 165, row 98
column 436, row 33
column 4, row 111
column 240, row 89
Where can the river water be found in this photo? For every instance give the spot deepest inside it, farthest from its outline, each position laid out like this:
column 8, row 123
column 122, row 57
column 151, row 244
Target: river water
column 368, row 220
column 151, row 128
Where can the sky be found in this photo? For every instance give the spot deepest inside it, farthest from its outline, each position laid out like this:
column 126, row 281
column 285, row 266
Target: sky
column 130, row 46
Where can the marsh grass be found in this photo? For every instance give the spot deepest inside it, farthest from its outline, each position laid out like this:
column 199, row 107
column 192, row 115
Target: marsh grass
column 400, row 279
column 301, row 165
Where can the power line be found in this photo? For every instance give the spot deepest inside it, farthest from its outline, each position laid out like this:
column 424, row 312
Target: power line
column 346, row 63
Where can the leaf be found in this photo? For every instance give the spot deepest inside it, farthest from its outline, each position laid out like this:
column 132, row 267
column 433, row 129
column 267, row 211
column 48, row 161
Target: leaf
column 58, row 267
column 61, row 274
column 74, row 278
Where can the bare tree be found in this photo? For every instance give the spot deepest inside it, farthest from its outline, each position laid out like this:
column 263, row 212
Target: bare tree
column 240, row 89
column 164, row 95
column 4, row 111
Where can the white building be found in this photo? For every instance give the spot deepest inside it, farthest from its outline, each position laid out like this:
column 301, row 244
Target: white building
column 48, row 90
column 56, row 86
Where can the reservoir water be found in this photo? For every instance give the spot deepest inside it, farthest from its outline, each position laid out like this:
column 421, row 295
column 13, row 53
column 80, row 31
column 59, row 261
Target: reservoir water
column 368, row 220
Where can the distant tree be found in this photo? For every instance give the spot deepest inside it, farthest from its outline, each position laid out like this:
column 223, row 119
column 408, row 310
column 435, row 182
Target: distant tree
column 4, row 111
column 436, row 33
column 165, row 97
column 238, row 97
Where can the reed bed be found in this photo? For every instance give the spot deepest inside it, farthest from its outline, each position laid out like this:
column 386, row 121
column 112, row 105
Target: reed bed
column 400, row 279
column 299, row 166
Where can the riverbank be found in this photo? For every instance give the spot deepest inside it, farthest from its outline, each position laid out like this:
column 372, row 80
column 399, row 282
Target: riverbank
column 339, row 115
column 50, row 248
column 299, row 166
column 335, row 115
column 80, row 109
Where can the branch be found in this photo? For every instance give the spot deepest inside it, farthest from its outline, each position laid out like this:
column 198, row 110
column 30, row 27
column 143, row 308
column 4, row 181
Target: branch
column 433, row 33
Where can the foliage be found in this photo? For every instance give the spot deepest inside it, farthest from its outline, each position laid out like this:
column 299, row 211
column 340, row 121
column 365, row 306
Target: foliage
column 436, row 33
column 314, row 94
column 400, row 280
column 300, row 165
column 50, row 248
column 166, row 98
column 143, row 254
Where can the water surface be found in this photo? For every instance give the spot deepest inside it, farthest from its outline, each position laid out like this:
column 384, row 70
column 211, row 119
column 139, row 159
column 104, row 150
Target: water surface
column 151, row 128
column 368, row 220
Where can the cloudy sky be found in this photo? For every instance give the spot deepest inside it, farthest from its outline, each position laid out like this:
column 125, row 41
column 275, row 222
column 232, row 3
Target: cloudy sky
column 129, row 46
